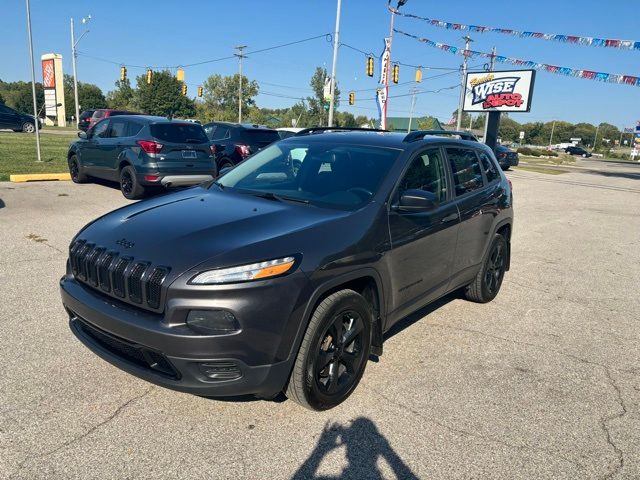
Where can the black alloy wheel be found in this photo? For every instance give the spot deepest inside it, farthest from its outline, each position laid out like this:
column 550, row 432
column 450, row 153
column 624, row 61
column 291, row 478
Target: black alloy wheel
column 340, row 354
column 488, row 281
column 494, row 272
column 334, row 352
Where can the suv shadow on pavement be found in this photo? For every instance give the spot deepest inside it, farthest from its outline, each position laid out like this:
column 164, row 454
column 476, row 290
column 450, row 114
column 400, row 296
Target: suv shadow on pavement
column 364, row 446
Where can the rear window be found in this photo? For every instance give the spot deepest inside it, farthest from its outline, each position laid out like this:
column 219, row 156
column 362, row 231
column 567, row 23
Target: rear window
column 261, row 136
column 179, row 132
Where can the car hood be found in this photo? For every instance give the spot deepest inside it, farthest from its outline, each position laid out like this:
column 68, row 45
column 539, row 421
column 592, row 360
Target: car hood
column 184, row 229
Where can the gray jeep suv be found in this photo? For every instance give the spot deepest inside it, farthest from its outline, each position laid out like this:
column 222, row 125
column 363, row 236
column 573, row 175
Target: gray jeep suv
column 280, row 278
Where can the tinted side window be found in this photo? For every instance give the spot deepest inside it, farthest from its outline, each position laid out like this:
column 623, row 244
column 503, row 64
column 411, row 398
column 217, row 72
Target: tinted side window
column 209, row 129
column 465, row 165
column 220, row 133
column 100, row 129
column 426, row 172
column 489, row 166
column 133, row 129
column 118, row 128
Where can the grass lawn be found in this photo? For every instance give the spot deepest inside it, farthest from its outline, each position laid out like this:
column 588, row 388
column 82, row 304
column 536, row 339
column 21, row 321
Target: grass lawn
column 548, row 171
column 18, row 153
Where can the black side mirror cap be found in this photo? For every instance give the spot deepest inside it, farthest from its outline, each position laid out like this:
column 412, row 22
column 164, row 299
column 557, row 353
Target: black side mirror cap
column 413, row 201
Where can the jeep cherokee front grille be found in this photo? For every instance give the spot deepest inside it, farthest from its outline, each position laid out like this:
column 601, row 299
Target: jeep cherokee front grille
column 123, row 277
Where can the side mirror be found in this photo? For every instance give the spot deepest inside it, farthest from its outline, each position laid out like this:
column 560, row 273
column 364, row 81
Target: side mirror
column 414, row 201
column 83, row 135
column 224, row 170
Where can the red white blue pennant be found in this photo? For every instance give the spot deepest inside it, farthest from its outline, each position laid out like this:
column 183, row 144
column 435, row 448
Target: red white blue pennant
column 570, row 72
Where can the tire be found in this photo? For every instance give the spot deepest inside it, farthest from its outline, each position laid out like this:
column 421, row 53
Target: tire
column 225, row 163
column 129, row 185
column 28, row 127
column 487, row 283
column 321, row 387
column 506, row 167
column 75, row 170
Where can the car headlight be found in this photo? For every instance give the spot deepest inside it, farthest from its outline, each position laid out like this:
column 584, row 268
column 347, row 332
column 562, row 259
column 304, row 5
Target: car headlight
column 244, row 273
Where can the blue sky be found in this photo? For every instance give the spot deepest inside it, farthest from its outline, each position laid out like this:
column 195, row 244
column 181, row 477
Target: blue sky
column 145, row 32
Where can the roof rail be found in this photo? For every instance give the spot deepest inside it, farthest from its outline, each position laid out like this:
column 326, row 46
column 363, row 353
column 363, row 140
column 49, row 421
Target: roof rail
column 420, row 134
column 313, row 130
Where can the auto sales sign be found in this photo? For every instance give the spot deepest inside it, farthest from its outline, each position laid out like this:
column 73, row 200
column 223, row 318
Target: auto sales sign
column 499, row 91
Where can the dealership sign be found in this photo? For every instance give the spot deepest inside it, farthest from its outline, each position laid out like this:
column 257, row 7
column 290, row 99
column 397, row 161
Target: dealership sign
column 499, row 91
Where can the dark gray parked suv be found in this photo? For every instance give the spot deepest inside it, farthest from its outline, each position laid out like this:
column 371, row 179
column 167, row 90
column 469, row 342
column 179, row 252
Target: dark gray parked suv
column 142, row 153
column 276, row 278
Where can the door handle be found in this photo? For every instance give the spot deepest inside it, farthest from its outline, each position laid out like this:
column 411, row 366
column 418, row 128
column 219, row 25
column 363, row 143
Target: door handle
column 450, row 218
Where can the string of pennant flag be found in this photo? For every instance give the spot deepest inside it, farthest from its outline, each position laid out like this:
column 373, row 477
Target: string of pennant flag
column 575, row 39
column 570, row 72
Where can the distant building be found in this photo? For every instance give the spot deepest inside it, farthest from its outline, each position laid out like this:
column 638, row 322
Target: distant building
column 401, row 124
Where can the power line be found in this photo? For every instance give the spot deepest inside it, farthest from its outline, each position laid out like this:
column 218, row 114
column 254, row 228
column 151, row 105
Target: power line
column 220, row 59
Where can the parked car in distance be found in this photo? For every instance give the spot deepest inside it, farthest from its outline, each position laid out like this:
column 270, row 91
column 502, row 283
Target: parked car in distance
column 234, row 142
column 16, row 121
column 506, row 157
column 142, row 153
column 84, row 120
column 286, row 132
column 101, row 113
column 270, row 280
column 577, row 151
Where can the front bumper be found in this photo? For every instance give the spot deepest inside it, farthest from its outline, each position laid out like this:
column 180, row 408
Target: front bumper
column 163, row 350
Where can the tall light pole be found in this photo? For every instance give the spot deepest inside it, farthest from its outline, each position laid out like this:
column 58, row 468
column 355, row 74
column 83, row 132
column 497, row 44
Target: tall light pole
column 33, row 82
column 74, row 57
column 240, row 56
column 414, row 90
column 336, row 43
column 466, row 39
column 383, row 123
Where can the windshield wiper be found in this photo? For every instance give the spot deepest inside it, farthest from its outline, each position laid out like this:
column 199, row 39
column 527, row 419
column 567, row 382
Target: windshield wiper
column 279, row 198
column 219, row 185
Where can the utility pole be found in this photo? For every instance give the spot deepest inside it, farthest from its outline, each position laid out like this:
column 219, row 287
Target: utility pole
column 74, row 57
column 387, row 67
column 595, row 139
column 467, row 39
column 492, row 65
column 336, row 43
column 240, row 56
column 553, row 126
column 414, row 90
column 33, row 82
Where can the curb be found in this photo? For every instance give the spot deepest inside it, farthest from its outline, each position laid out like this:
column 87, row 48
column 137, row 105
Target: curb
column 38, row 177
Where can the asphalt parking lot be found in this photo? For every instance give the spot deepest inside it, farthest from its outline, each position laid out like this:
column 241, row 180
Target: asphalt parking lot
column 544, row 382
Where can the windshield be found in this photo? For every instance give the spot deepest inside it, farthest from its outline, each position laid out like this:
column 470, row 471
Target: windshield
column 334, row 176
column 179, row 132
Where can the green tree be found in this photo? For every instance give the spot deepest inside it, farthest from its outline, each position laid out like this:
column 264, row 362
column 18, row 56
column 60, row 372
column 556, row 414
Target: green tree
column 122, row 96
column 162, row 96
column 607, row 134
column 23, row 100
column 464, row 124
column 317, row 113
column 1, row 98
column 509, row 129
column 220, row 98
column 90, row 97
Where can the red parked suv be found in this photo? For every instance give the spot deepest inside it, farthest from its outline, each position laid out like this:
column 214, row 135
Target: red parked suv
column 106, row 113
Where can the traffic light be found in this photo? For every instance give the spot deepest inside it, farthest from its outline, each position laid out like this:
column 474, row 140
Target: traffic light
column 149, row 75
column 180, row 75
column 184, row 89
column 396, row 73
column 123, row 73
column 200, row 90
column 352, row 98
column 370, row 66
column 418, row 75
